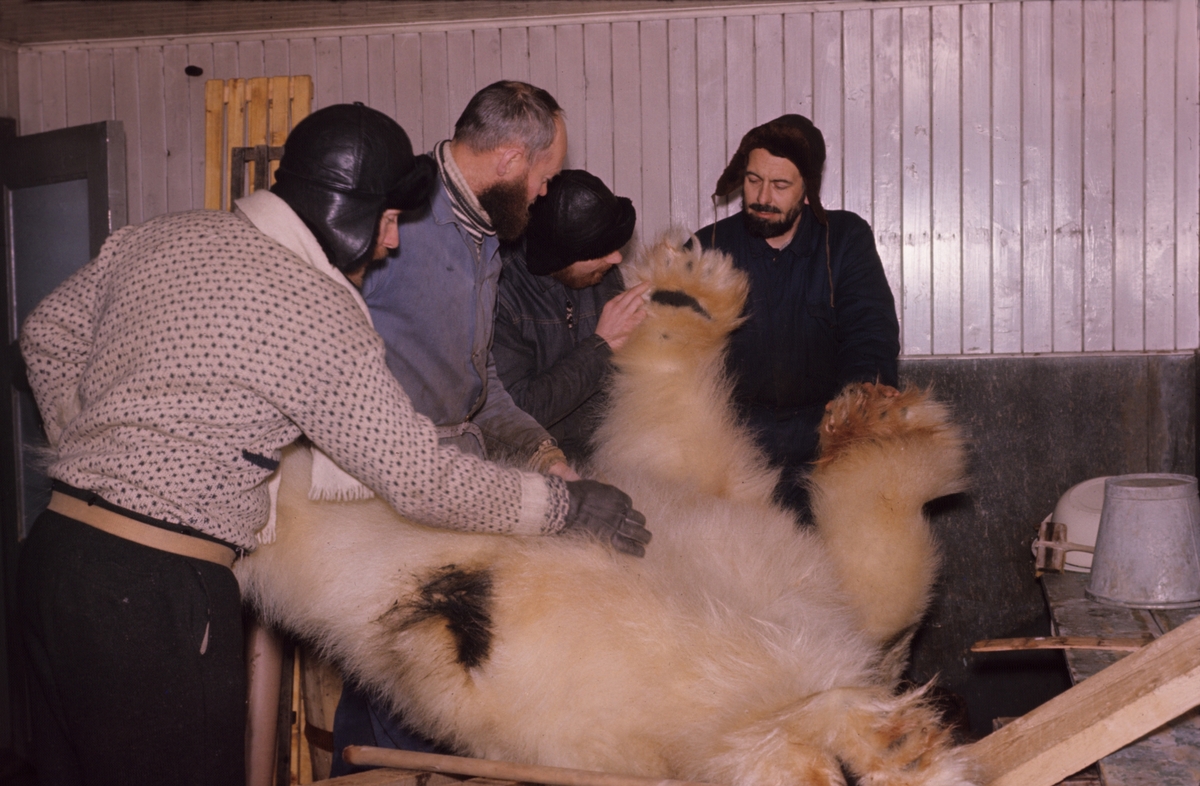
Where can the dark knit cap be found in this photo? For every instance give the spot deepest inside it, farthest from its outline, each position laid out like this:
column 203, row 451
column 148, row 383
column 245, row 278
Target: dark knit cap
column 578, row 219
column 793, row 137
column 344, row 165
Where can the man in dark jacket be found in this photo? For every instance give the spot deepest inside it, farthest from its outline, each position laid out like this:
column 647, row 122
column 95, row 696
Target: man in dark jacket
column 820, row 313
column 562, row 310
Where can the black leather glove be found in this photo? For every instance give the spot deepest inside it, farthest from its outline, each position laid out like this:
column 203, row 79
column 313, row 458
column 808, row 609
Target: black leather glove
column 607, row 512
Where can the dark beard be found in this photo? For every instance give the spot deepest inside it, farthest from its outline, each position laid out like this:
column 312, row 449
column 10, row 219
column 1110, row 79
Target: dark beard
column 767, row 228
column 507, row 207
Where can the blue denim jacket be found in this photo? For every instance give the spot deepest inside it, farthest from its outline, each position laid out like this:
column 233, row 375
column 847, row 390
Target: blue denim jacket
column 547, row 352
column 433, row 303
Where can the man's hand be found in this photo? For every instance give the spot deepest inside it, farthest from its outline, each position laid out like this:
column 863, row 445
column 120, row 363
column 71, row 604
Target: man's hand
column 621, row 315
column 607, row 512
column 563, row 470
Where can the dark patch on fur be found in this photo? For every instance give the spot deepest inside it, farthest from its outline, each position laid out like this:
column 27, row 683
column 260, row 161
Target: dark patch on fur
column 463, row 597
column 673, row 297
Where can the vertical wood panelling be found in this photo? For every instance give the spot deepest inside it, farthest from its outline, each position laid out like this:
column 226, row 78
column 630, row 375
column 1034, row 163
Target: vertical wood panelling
column 916, row 188
column 857, row 108
column 1187, row 175
column 1067, row 195
column 598, row 100
column 946, row 150
column 656, row 125
column 885, row 146
column 685, row 184
column 1098, row 239
column 1037, row 269
column 78, row 100
column 627, row 116
column 977, row 179
column 571, row 92
column 1006, row 177
column 983, row 141
column 1129, row 168
column 1160, row 295
column 768, row 67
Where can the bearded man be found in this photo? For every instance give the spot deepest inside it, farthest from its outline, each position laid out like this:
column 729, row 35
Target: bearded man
column 820, row 313
column 434, row 302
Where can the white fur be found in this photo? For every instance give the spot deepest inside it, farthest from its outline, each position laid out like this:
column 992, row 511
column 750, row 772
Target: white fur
column 730, row 654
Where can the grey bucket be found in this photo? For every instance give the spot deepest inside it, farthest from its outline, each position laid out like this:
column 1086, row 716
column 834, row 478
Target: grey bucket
column 1148, row 543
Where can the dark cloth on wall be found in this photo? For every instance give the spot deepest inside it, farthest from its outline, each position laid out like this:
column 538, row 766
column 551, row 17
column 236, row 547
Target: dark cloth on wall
column 547, row 353
column 120, row 690
column 801, row 342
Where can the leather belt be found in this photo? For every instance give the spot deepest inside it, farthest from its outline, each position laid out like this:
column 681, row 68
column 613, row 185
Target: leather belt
column 139, row 532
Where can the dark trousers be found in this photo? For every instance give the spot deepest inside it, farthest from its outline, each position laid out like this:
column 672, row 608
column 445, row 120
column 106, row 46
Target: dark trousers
column 363, row 720
column 137, row 661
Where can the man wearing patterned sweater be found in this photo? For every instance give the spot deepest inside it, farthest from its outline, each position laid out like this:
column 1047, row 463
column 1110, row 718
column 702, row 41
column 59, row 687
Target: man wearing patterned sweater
column 170, row 372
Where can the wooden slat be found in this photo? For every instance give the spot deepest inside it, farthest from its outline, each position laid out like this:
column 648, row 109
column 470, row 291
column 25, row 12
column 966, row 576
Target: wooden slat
column 543, row 57
column 916, row 190
column 514, row 53
column 1036, row 247
column 278, row 120
column 200, row 56
column 460, row 65
column 178, row 129
column 976, row 181
column 1129, row 172
column 710, row 136
column 1187, row 174
column 598, row 102
column 827, row 101
column 488, row 61
column 29, row 81
column 683, row 146
column 1097, row 213
column 797, row 60
column 946, row 178
column 235, row 126
column 1006, row 177
column 258, row 93
column 438, row 117
column 381, row 74
column 768, row 67
column 78, row 100
column 1067, row 51
column 125, row 106
column 327, row 78
column 571, row 93
column 54, row 91
column 355, row 85
column 100, row 91
column 275, row 57
column 885, row 165
column 250, row 59
column 1116, row 644
column 1160, row 301
column 409, row 112
column 655, row 213
column 627, row 117
column 858, row 192
column 152, row 119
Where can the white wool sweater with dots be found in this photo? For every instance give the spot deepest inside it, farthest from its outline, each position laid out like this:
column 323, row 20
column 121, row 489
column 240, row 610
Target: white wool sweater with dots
column 194, row 346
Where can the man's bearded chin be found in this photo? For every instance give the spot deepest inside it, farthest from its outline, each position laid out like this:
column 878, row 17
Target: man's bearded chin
column 506, row 205
column 767, row 228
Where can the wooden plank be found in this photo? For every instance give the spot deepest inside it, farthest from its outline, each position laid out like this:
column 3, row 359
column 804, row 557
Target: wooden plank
column 916, row 189
column 235, row 128
column 598, row 101
column 275, row 57
column 1006, row 177
column 1098, row 228
column 739, row 81
column 301, row 87
column 200, row 55
column 655, row 213
column 409, row 112
column 1129, row 170
column 1187, row 173
column 394, row 777
column 180, row 150
column 1067, row 53
column 438, row 117
column 258, row 107
column 1037, row 260
column 827, row 101
column 225, row 60
column 327, row 79
column 885, row 164
column 768, row 67
column 54, row 91
column 710, row 134
column 856, row 107
column 100, row 77
column 460, row 70
column 684, row 145
column 381, row 73
column 1098, row 716
column 543, row 60
column 571, row 94
column 1160, row 302
column 29, row 89
column 279, row 122
column 514, row 53
column 797, row 59
column 125, row 109
column 75, row 77
column 1115, row 644
column 976, row 180
column 152, row 117
column 355, row 72
column 250, row 59
column 947, row 175
column 488, row 59
column 627, row 115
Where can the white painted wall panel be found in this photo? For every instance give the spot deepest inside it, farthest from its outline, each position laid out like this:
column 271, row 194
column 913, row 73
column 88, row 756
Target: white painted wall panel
column 982, row 140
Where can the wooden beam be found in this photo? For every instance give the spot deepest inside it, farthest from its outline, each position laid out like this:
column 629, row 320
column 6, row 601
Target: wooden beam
column 1134, row 696
column 1062, row 643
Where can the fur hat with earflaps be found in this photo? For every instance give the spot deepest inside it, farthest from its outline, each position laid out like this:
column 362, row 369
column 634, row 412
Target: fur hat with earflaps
column 793, row 137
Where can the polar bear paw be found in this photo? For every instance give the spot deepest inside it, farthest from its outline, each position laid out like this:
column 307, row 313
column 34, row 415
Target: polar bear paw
column 866, row 412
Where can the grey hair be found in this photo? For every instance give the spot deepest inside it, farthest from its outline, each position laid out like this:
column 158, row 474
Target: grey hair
column 509, row 112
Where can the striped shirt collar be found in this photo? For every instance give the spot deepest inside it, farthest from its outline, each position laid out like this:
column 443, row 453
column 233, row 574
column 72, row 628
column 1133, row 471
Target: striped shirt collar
column 463, row 201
